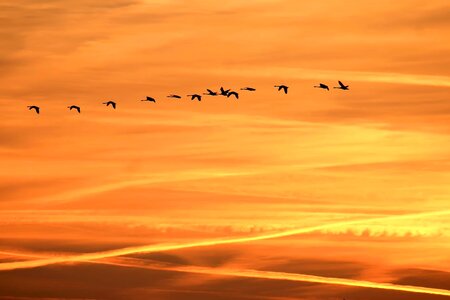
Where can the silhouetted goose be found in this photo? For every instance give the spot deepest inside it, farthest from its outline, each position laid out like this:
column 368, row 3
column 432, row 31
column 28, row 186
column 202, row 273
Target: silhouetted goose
column 322, row 86
column 112, row 103
column 195, row 96
column 174, row 96
column 235, row 94
column 248, row 89
column 77, row 108
column 149, row 99
column 341, row 86
column 210, row 93
column 224, row 92
column 282, row 87
column 36, row 108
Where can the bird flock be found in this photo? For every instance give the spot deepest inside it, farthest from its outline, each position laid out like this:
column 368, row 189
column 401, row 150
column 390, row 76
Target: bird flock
column 222, row 92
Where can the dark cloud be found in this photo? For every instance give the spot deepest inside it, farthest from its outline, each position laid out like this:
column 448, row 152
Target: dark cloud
column 423, row 277
column 341, row 269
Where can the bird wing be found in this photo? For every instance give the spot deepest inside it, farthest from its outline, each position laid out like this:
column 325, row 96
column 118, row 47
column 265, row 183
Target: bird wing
column 341, row 84
column 113, row 105
column 285, row 88
column 78, row 109
column 37, row 109
column 209, row 91
column 233, row 93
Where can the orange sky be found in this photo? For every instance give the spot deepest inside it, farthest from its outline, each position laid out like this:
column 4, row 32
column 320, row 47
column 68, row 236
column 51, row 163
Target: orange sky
column 181, row 172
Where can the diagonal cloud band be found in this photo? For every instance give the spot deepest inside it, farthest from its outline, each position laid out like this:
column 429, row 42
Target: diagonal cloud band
column 216, row 242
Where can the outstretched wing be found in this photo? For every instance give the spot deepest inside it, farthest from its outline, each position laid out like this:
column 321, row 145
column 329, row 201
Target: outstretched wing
column 209, row 91
column 341, row 84
column 234, row 94
column 285, row 88
column 113, row 105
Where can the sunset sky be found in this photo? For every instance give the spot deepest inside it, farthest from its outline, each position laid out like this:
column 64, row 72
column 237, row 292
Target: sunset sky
column 316, row 195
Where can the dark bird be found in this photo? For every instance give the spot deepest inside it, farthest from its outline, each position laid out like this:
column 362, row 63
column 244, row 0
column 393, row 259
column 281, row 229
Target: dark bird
column 322, row 86
column 77, row 108
column 210, row 93
column 224, row 92
column 149, row 99
column 248, row 89
column 36, row 108
column 282, row 87
column 235, row 94
column 195, row 96
column 174, row 96
column 341, row 86
column 112, row 103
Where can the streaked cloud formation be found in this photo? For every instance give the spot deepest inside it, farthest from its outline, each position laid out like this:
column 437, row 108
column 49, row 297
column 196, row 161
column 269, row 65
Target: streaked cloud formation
column 326, row 173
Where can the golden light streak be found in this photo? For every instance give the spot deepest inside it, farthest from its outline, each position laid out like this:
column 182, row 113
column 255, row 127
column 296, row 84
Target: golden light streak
column 169, row 247
column 293, row 277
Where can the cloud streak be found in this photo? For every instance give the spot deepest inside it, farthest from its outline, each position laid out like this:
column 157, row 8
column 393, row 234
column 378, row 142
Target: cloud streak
column 293, row 277
column 304, row 73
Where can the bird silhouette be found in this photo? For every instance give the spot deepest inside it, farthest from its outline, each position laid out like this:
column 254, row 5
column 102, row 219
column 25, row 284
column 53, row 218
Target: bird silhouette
column 77, row 108
column 112, row 103
column 282, row 87
column 174, row 96
column 195, row 96
column 248, row 89
column 322, row 86
column 149, row 99
column 233, row 93
column 210, row 93
column 224, row 92
column 36, row 108
column 341, row 86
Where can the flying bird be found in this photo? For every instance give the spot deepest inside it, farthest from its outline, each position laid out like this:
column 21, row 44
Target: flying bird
column 341, row 86
column 282, row 87
column 195, row 96
column 210, row 93
column 149, row 99
column 77, row 108
column 322, row 86
column 248, row 89
column 112, row 103
column 235, row 94
column 36, row 108
column 174, row 96
column 224, row 92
